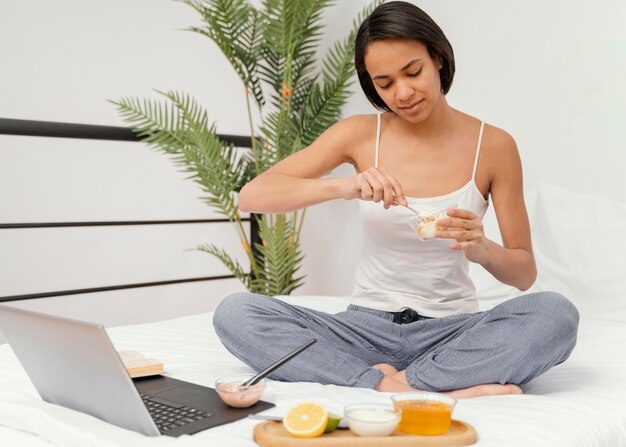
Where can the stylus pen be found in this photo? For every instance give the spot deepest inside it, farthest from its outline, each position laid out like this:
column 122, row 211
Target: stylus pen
column 278, row 364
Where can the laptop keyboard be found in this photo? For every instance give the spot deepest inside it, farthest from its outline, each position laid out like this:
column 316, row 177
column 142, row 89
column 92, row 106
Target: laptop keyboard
column 168, row 417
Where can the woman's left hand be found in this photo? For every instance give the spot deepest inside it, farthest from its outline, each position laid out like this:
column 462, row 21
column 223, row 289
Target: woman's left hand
column 467, row 229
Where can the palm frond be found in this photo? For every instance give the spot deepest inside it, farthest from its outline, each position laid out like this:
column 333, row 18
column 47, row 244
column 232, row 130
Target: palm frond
column 157, row 123
column 181, row 128
column 322, row 108
column 292, row 33
column 232, row 265
column 323, row 104
column 279, row 130
column 236, row 27
column 279, row 256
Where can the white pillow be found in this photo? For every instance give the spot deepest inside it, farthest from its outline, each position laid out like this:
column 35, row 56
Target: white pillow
column 580, row 247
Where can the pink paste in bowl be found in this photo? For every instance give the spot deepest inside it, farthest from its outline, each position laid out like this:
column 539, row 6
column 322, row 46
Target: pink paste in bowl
column 233, row 394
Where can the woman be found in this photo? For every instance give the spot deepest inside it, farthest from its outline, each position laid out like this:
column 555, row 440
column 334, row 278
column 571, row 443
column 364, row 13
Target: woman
column 413, row 322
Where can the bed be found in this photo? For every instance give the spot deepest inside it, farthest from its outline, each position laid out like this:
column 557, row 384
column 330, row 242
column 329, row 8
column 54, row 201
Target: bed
column 581, row 402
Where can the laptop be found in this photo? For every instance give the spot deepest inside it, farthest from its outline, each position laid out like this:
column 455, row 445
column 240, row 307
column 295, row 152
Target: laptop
column 74, row 364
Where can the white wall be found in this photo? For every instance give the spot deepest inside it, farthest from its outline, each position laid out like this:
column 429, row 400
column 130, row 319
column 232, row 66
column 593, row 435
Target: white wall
column 550, row 73
column 62, row 61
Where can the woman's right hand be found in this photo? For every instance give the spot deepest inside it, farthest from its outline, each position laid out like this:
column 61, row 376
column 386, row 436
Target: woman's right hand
column 374, row 184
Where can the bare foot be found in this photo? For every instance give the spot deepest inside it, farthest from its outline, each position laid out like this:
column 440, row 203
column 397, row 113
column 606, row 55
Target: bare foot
column 386, row 368
column 391, row 385
column 397, row 383
column 487, row 389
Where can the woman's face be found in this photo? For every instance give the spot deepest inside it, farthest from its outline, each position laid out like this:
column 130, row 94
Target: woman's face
column 405, row 77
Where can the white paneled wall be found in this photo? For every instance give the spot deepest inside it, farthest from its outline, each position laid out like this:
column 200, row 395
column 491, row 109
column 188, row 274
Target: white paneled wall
column 60, row 179
column 64, row 180
column 50, row 259
column 62, row 61
column 136, row 305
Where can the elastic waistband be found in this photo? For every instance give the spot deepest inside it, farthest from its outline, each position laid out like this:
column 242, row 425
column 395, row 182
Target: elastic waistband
column 404, row 317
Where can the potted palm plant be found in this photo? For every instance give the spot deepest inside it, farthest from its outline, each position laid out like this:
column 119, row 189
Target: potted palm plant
column 273, row 50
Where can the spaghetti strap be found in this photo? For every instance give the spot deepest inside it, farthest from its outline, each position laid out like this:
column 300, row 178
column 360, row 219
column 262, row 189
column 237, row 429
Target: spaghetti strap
column 480, row 139
column 377, row 140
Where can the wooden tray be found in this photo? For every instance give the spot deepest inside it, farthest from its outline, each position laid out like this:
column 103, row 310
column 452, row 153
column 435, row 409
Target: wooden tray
column 273, row 434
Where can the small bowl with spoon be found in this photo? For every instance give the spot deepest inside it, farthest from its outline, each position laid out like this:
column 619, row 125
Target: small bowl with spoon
column 424, row 222
column 241, row 391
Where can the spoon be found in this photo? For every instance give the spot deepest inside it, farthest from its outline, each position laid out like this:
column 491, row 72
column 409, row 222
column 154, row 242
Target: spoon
column 254, row 380
column 406, row 206
column 412, row 209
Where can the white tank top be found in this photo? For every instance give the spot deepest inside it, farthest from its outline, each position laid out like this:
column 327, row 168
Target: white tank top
column 397, row 270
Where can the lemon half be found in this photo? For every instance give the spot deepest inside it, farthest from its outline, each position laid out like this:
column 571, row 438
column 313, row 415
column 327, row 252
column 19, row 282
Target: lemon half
column 306, row 420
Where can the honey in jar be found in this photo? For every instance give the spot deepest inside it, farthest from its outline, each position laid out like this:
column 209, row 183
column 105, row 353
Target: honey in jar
column 424, row 416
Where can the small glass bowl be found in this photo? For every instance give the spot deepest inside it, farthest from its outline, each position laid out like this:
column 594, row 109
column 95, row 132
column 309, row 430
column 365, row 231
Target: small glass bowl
column 371, row 419
column 233, row 394
column 424, row 414
column 425, row 223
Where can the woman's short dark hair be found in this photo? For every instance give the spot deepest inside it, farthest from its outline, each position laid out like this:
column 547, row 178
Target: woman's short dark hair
column 401, row 20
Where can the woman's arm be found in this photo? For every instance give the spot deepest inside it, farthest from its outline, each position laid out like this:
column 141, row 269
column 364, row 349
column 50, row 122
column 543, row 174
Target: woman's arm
column 513, row 262
column 281, row 192
column 295, row 182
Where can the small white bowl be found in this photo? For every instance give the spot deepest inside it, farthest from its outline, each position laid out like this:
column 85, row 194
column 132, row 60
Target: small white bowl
column 371, row 419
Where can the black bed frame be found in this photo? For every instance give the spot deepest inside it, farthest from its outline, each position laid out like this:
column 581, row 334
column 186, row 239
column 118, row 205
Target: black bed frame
column 110, row 133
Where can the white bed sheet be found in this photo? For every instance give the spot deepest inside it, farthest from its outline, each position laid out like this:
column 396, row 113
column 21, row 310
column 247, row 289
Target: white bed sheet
column 577, row 404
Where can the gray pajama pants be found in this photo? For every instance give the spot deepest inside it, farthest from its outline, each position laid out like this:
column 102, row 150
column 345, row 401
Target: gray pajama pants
column 511, row 343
